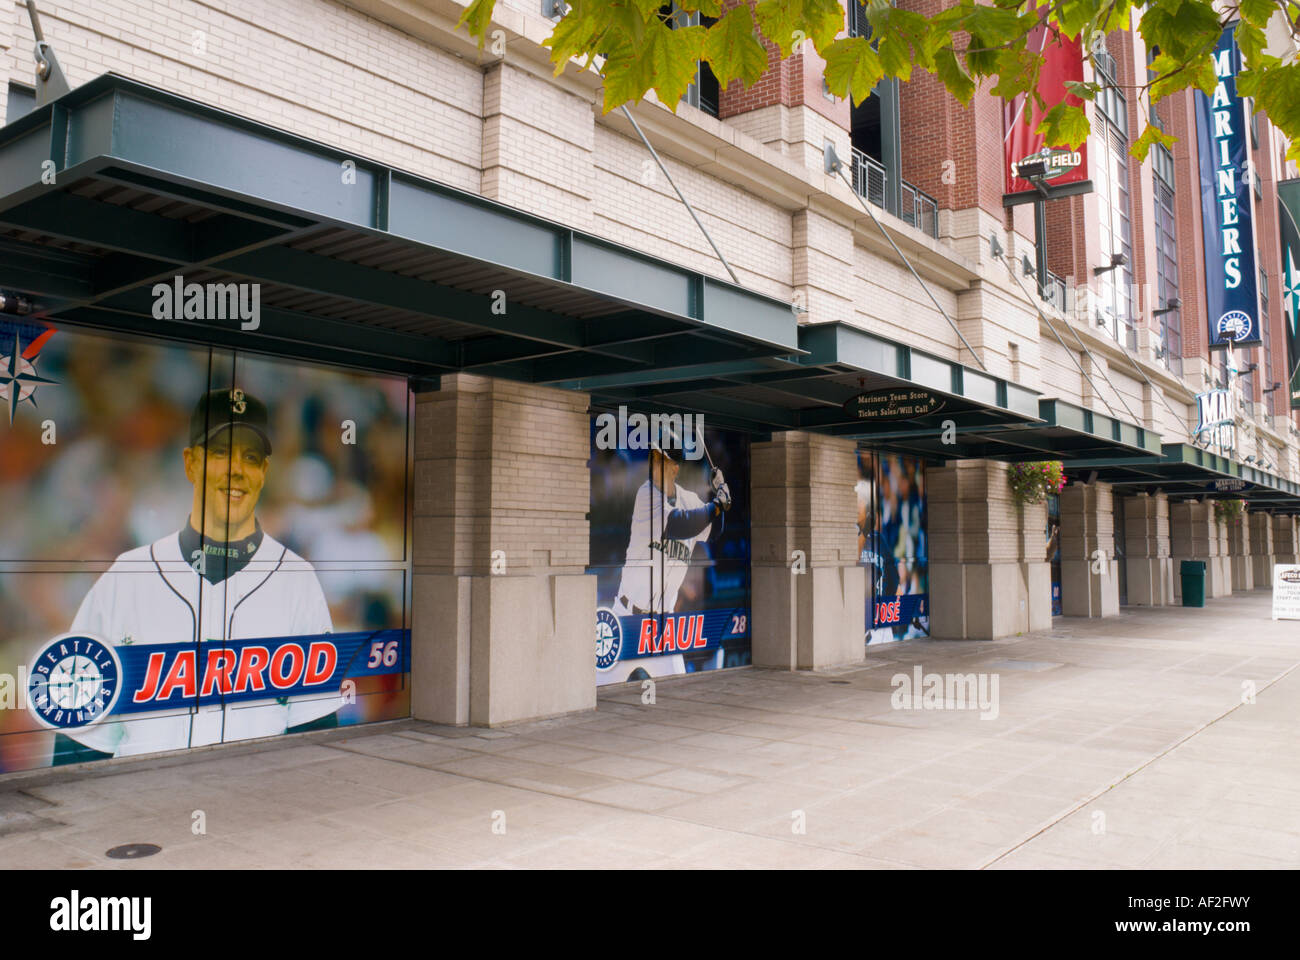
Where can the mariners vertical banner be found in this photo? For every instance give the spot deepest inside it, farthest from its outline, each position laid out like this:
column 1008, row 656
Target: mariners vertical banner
column 1227, row 209
column 1288, row 201
column 1062, row 62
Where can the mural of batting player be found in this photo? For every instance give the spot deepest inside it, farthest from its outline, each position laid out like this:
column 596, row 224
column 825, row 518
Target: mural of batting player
column 667, row 522
column 220, row 577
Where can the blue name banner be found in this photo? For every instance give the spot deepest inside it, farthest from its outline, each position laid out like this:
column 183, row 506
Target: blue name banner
column 1227, row 207
column 167, row 675
column 655, row 635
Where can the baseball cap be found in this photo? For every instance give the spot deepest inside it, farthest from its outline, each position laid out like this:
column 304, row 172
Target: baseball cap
column 219, row 410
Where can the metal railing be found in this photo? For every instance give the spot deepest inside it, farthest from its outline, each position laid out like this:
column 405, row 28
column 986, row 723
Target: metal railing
column 915, row 206
column 919, row 209
column 1054, row 292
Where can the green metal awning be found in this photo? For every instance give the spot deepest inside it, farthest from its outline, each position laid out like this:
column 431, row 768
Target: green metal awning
column 117, row 186
column 992, row 418
column 1186, row 472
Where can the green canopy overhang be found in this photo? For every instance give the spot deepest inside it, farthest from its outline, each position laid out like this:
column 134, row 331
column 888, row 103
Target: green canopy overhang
column 990, row 417
column 1186, row 472
column 117, row 186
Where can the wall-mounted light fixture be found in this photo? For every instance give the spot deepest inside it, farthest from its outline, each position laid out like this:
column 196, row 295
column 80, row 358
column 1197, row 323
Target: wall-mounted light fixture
column 1276, row 386
column 1116, row 260
column 1170, row 306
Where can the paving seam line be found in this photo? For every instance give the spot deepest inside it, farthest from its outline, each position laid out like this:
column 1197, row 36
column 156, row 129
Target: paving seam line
column 1132, row 771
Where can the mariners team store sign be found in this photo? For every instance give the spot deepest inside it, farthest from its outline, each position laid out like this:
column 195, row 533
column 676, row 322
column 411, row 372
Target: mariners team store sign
column 1227, row 210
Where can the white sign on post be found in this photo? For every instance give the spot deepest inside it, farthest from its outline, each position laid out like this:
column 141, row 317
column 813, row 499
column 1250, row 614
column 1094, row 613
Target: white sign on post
column 1286, row 591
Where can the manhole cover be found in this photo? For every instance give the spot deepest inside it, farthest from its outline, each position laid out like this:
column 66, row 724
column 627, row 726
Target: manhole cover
column 133, row 851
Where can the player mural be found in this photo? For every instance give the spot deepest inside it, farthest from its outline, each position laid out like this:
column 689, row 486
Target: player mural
column 670, row 548
column 892, row 543
column 207, row 547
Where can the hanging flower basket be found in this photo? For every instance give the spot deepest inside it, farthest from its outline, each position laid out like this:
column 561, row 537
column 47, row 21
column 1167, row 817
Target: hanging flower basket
column 1229, row 511
column 1032, row 482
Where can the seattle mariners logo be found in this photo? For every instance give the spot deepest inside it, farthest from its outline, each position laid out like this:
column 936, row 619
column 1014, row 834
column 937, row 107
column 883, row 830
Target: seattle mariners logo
column 76, row 682
column 18, row 377
column 1235, row 325
column 609, row 638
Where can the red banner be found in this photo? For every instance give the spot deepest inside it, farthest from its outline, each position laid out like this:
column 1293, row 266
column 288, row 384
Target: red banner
column 1063, row 62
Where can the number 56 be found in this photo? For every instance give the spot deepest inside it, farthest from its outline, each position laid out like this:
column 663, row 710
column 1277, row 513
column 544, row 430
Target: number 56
column 385, row 653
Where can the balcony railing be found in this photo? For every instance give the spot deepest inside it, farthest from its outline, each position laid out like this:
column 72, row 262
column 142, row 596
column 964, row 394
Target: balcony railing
column 915, row 206
column 1054, row 291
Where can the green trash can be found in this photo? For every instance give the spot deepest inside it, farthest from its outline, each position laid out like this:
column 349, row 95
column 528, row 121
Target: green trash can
column 1192, row 573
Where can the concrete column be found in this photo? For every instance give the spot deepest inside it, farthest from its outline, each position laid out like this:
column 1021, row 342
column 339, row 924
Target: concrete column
column 989, row 575
column 504, row 616
column 1243, row 569
column 1194, row 535
column 1223, row 559
column 810, row 607
column 1261, row 549
column 1146, row 546
column 1286, row 541
column 1089, row 576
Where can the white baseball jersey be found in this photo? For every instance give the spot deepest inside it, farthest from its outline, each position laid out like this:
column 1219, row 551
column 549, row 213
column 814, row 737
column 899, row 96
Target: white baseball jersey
column 151, row 595
column 656, row 566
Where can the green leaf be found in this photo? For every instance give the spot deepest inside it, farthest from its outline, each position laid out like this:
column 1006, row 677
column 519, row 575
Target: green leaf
column 478, row 17
column 852, row 68
column 1084, row 91
column 1017, row 72
column 895, row 56
column 953, row 75
column 671, row 57
column 782, row 22
column 1278, row 95
column 1150, row 136
column 1257, row 12
column 1064, row 126
column 733, row 49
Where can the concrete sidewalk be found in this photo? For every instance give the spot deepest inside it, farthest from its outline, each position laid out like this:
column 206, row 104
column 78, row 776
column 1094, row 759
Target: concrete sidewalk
column 1118, row 743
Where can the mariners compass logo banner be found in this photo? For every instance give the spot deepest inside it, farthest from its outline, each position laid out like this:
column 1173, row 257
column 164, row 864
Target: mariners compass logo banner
column 1288, row 201
column 20, row 347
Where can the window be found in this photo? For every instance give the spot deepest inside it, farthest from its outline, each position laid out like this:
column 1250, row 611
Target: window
column 1166, row 236
column 704, row 93
column 1267, row 338
column 1115, row 306
column 1115, row 310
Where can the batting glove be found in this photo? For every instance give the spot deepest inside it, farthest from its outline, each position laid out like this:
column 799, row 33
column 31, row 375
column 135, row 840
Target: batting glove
column 722, row 498
column 716, row 480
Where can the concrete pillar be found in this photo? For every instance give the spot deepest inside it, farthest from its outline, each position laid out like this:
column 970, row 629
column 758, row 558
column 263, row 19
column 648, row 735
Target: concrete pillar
column 1261, row 549
column 1239, row 554
column 1194, row 535
column 1089, row 576
column 989, row 575
column 1286, row 541
column 503, row 625
column 1223, row 560
column 810, row 613
column 1146, row 546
